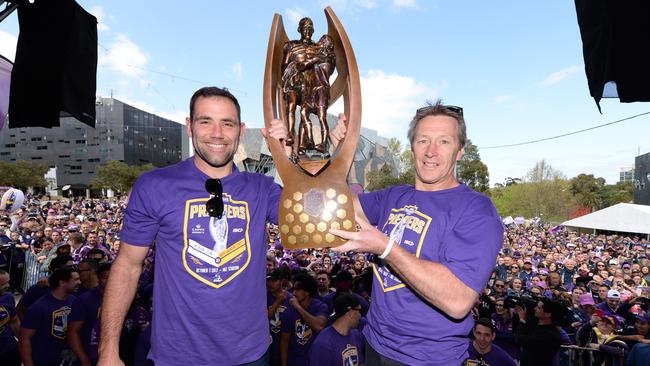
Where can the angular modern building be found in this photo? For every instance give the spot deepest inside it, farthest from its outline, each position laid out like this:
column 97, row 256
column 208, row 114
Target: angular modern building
column 122, row 132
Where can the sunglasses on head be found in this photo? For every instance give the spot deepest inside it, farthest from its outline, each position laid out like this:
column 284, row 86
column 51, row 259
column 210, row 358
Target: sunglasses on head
column 451, row 108
column 214, row 206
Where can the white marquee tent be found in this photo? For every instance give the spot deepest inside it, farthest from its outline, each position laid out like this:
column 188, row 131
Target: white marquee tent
column 622, row 217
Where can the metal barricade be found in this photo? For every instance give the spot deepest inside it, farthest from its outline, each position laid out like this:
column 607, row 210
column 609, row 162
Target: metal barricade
column 574, row 353
column 32, row 271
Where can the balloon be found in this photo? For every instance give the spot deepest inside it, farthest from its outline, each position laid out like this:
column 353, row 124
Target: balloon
column 12, row 200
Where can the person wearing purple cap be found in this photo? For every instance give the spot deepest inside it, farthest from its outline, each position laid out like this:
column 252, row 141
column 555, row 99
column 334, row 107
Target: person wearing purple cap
column 436, row 243
column 208, row 221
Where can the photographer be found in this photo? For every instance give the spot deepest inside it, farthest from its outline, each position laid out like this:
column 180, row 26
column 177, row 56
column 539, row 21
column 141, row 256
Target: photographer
column 540, row 340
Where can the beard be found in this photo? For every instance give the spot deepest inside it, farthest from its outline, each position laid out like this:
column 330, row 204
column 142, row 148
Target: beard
column 215, row 161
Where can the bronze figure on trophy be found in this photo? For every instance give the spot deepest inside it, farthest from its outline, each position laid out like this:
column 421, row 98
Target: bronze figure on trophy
column 316, row 196
column 306, row 69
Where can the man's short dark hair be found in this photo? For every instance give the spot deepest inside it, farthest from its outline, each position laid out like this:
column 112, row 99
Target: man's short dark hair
column 93, row 264
column 486, row 323
column 96, row 251
column 305, row 282
column 213, row 91
column 59, row 261
column 104, row 267
column 62, row 274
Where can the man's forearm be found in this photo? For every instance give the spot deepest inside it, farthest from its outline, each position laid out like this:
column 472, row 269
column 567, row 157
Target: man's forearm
column 284, row 348
column 434, row 282
column 74, row 341
column 119, row 293
column 25, row 350
column 314, row 322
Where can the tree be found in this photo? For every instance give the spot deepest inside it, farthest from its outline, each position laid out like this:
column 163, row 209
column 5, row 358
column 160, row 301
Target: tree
column 545, row 194
column 23, row 174
column 612, row 194
column 472, row 171
column 542, row 171
column 118, row 176
column 587, row 190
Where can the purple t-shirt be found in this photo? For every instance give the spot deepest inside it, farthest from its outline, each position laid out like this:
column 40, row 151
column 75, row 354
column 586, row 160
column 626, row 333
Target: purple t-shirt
column 209, row 294
column 457, row 228
column 7, row 311
column 49, row 317
column 32, row 295
column 301, row 336
column 495, row 357
column 333, row 349
column 87, row 308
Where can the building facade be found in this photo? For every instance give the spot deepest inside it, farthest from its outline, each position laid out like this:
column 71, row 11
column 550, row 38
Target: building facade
column 76, row 150
column 642, row 179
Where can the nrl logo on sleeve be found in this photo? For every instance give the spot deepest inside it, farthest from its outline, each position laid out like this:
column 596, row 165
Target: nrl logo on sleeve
column 215, row 251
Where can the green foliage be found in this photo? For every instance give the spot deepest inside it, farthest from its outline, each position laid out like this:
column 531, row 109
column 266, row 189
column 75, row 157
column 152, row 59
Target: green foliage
column 587, row 190
column 118, row 176
column 612, row 194
column 22, row 174
column 472, row 171
column 386, row 177
column 545, row 194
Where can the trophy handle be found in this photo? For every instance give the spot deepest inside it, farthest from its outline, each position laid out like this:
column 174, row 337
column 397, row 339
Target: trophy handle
column 347, row 84
column 273, row 102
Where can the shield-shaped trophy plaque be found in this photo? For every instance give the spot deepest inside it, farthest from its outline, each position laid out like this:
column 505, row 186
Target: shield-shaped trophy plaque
column 297, row 90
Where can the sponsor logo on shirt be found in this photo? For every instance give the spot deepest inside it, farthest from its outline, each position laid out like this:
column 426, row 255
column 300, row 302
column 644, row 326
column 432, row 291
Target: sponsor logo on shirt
column 276, row 323
column 350, row 356
column 60, row 322
column 303, row 332
column 215, row 251
column 4, row 318
column 407, row 227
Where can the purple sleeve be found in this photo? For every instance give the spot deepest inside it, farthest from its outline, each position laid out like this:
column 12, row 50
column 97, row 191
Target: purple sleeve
column 32, row 319
column 274, row 202
column 472, row 246
column 140, row 224
column 78, row 311
column 371, row 204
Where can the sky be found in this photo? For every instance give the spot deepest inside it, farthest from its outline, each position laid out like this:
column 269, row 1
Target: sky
column 516, row 68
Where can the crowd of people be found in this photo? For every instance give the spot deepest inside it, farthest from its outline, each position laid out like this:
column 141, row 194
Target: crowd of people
column 594, row 288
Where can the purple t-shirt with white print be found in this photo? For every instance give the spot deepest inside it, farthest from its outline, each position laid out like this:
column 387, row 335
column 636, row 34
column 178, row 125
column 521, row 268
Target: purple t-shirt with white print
column 456, row 227
column 209, row 294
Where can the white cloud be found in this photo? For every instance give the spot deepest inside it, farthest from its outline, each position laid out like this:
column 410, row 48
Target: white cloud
column 502, row 98
column 8, row 43
column 237, row 70
column 558, row 76
column 124, row 56
column 389, row 102
column 294, row 16
column 98, row 12
column 368, row 4
column 404, row 3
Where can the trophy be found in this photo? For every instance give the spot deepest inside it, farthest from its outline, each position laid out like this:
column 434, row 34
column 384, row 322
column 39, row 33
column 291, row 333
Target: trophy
column 315, row 196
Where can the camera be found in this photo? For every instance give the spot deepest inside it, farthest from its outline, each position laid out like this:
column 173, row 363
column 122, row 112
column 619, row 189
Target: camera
column 524, row 301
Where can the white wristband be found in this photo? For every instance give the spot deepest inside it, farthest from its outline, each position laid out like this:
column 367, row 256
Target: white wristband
column 389, row 247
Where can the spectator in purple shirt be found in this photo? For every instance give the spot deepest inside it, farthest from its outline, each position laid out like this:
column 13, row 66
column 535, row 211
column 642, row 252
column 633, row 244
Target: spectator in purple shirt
column 481, row 349
column 44, row 328
column 9, row 324
column 83, row 329
column 340, row 344
column 301, row 321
